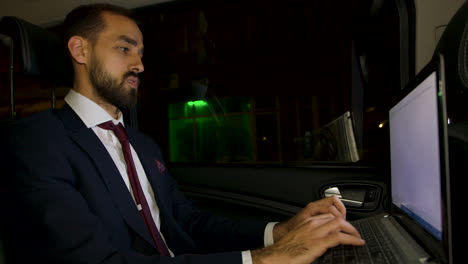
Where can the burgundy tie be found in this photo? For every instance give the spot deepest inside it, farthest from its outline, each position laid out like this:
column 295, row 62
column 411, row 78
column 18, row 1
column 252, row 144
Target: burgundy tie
column 140, row 199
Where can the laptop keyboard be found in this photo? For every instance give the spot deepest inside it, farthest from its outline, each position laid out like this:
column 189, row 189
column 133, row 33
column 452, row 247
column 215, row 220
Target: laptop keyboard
column 376, row 250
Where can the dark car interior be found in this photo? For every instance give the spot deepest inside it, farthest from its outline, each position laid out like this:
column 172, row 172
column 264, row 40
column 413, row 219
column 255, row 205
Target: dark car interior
column 261, row 108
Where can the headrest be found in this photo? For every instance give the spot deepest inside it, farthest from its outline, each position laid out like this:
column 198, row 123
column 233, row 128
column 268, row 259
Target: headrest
column 454, row 46
column 40, row 50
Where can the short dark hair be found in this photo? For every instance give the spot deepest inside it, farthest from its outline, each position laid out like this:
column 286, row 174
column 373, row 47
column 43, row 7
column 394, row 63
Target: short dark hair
column 87, row 21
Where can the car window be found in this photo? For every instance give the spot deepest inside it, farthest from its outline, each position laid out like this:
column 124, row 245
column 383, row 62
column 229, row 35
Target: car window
column 263, row 82
column 296, row 82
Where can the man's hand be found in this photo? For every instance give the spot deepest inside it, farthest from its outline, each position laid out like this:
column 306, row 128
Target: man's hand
column 331, row 205
column 306, row 236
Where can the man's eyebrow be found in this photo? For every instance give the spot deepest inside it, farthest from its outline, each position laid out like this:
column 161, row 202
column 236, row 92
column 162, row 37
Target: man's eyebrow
column 130, row 41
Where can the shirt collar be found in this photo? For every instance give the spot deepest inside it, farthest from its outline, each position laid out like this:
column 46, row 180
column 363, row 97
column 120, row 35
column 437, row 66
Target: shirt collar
column 89, row 112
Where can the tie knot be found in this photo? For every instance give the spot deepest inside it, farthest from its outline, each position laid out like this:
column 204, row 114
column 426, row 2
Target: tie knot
column 118, row 129
column 109, row 125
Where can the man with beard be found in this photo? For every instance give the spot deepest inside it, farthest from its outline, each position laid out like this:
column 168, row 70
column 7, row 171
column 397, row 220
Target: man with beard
column 88, row 190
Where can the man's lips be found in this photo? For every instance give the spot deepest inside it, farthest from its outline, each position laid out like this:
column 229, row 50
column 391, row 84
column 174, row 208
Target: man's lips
column 133, row 81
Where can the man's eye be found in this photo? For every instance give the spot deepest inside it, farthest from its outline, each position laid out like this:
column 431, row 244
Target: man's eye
column 124, row 49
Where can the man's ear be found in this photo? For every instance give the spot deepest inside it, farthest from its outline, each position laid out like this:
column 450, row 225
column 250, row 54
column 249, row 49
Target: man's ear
column 78, row 49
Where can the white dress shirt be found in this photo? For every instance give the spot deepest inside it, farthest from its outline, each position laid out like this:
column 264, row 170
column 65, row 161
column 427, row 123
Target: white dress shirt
column 92, row 115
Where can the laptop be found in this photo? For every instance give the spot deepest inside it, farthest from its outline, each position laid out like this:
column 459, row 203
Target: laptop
column 417, row 227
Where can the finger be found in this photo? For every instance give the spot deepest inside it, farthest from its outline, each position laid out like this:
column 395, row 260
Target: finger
column 328, row 207
column 348, row 228
column 333, row 240
column 310, row 223
column 330, row 204
column 333, row 210
column 323, row 206
column 337, row 225
column 321, row 219
column 341, row 238
column 323, row 216
column 339, row 205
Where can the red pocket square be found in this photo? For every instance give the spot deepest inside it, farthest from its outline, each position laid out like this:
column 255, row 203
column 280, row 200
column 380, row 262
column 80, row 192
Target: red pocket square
column 161, row 166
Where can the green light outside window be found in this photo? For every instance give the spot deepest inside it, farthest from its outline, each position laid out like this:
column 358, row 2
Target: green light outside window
column 197, row 103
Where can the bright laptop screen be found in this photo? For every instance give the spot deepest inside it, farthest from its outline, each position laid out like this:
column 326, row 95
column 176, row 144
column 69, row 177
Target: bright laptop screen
column 415, row 156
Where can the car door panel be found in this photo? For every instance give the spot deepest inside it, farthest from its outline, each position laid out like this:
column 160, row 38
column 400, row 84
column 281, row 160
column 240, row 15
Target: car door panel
column 276, row 193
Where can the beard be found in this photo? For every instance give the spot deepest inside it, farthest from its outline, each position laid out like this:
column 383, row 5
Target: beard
column 109, row 89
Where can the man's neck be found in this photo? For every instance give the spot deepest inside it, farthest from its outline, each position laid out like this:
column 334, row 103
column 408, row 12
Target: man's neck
column 91, row 94
column 111, row 109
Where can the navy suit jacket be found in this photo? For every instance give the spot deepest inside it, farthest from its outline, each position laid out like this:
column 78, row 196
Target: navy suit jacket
column 67, row 202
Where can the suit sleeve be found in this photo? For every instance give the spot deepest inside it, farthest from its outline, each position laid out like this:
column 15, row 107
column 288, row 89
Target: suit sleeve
column 213, row 233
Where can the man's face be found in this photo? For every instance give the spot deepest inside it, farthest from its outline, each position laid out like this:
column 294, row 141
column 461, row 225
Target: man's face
column 116, row 60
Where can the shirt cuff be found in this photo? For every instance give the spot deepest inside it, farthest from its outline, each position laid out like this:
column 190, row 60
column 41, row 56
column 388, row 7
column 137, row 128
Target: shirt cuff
column 247, row 257
column 268, row 236
column 267, row 240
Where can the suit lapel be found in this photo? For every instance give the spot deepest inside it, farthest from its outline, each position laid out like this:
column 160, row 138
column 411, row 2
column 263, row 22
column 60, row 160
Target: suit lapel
column 90, row 143
column 178, row 241
column 149, row 165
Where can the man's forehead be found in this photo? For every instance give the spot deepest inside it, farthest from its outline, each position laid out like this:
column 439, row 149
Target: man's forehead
column 118, row 26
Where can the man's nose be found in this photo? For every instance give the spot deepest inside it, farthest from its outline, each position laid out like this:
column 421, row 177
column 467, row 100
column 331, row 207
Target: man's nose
column 137, row 65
